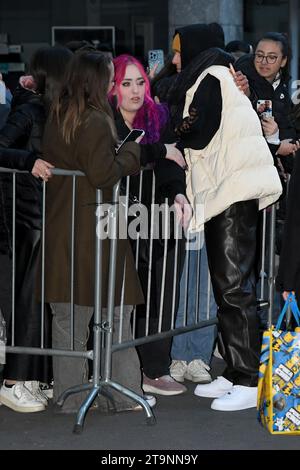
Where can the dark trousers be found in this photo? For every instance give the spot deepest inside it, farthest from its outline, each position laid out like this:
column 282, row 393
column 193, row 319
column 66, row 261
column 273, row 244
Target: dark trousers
column 28, row 313
column 231, row 250
column 155, row 357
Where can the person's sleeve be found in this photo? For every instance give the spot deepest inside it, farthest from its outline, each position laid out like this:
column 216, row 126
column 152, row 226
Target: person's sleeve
column 253, row 96
column 170, row 180
column 287, row 128
column 18, row 126
column 289, row 267
column 151, row 153
column 17, row 159
column 197, row 130
column 273, row 148
column 96, row 156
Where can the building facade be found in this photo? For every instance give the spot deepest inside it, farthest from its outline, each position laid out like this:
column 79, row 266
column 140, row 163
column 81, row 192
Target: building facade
column 139, row 25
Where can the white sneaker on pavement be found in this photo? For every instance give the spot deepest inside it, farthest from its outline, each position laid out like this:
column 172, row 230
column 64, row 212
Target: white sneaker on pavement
column 34, row 387
column 151, row 400
column 19, row 398
column 178, row 369
column 47, row 389
column 239, row 398
column 197, row 371
column 217, row 388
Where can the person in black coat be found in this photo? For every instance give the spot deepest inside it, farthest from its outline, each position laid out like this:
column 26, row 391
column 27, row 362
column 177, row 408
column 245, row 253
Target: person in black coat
column 134, row 108
column 22, row 134
column 288, row 279
column 268, row 75
column 20, row 150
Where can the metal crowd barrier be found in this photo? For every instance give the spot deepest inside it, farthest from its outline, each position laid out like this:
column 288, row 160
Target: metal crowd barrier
column 102, row 381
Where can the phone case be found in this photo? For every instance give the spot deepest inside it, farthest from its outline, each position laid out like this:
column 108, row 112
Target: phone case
column 264, row 108
column 156, row 56
column 131, row 137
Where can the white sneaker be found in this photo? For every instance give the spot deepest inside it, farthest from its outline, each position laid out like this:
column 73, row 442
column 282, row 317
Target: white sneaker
column 34, row 387
column 239, row 398
column 47, row 389
column 178, row 370
column 217, row 388
column 151, row 400
column 19, row 398
column 197, row 371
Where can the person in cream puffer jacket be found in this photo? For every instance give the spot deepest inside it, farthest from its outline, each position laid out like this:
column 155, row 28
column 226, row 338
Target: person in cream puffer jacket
column 230, row 177
column 237, row 164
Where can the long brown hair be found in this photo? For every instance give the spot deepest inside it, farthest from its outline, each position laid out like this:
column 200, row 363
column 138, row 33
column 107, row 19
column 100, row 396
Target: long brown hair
column 86, row 85
column 48, row 67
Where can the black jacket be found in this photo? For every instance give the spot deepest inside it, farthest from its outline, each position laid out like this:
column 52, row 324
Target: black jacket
column 289, row 267
column 169, row 181
column 170, row 177
column 20, row 146
column 197, row 130
column 282, row 105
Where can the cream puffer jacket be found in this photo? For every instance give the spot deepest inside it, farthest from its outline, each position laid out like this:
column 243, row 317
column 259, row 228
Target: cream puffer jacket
column 237, row 164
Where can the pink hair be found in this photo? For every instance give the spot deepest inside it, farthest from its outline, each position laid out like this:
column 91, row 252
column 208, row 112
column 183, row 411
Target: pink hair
column 151, row 116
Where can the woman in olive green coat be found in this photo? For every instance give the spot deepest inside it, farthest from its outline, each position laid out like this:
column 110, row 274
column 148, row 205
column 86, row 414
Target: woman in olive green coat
column 80, row 135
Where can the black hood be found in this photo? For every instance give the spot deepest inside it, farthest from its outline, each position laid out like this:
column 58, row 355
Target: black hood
column 22, row 96
column 197, row 38
column 185, row 79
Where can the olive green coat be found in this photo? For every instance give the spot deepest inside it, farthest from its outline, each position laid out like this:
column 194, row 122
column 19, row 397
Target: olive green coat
column 92, row 152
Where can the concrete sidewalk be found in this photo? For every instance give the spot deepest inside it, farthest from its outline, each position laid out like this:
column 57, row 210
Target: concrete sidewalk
column 183, row 422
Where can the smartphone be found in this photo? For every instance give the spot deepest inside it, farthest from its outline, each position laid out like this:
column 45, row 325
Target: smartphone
column 156, row 56
column 131, row 137
column 232, row 69
column 264, row 108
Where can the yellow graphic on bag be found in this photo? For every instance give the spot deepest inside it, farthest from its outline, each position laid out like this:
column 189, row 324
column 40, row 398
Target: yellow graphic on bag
column 278, row 400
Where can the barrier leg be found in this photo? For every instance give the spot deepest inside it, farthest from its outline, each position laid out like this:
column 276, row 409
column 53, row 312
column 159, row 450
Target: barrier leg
column 78, row 428
column 150, row 418
column 71, row 391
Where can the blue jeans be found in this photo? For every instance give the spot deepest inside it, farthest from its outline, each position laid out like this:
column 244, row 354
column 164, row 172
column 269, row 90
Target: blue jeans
column 197, row 344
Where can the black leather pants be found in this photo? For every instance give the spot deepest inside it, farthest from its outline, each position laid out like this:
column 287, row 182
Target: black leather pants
column 231, row 247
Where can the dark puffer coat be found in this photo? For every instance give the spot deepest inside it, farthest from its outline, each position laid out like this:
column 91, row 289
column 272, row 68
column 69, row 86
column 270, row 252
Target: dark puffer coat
column 20, row 146
column 282, row 105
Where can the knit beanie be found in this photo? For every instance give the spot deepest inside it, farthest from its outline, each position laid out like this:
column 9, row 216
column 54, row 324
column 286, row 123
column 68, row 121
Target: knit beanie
column 176, row 43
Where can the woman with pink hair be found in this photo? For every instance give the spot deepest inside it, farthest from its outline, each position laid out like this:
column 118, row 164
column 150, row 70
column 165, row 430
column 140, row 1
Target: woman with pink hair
column 134, row 101
column 134, row 108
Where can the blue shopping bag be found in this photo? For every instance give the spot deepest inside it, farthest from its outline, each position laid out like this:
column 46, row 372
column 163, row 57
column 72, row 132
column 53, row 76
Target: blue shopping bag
column 279, row 376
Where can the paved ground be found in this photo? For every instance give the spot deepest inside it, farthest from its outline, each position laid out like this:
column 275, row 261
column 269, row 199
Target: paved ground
column 185, row 422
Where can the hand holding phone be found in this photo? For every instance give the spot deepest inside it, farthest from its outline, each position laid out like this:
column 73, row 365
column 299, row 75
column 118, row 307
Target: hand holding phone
column 240, row 80
column 135, row 135
column 264, row 109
